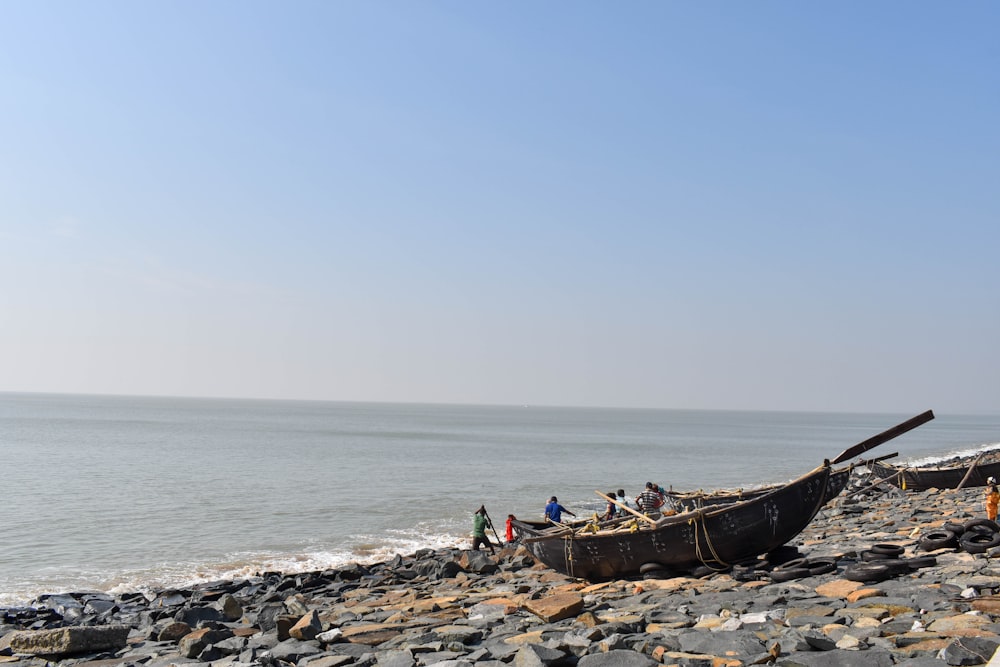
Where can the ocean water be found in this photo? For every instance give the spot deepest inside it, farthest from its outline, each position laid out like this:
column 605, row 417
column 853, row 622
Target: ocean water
column 130, row 493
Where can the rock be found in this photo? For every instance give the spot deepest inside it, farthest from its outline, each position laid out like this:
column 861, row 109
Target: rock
column 555, row 607
column 69, row 640
column 307, row 627
column 616, row 659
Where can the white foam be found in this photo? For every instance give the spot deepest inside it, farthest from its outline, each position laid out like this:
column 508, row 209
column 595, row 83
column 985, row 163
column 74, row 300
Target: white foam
column 963, row 453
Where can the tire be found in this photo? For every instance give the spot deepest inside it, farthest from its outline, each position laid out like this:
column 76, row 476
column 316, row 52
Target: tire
column 789, row 574
column 658, row 574
column 874, row 557
column 868, row 572
column 793, row 564
column 977, row 543
column 938, row 539
column 955, row 527
column 819, row 566
column 651, row 567
column 706, row 571
column 984, row 523
column 782, row 555
column 890, row 550
column 920, row 561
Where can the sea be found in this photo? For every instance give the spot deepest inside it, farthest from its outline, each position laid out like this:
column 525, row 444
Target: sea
column 119, row 494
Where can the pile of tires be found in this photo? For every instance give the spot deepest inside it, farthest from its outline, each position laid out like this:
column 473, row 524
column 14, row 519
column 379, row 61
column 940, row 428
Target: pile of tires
column 883, row 561
column 975, row 536
column 799, row 568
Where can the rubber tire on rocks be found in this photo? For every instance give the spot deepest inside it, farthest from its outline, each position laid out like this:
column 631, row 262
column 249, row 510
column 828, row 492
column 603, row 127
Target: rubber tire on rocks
column 868, row 572
column 955, row 527
column 706, row 571
column 819, row 566
column 651, row 567
column 792, row 564
column 780, row 574
column 977, row 543
column 782, row 555
column 890, row 550
column 938, row 539
column 658, row 574
column 921, row 561
column 984, row 523
column 874, row 557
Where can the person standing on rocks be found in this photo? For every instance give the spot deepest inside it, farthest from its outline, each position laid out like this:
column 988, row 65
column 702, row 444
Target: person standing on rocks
column 553, row 511
column 479, row 525
column 992, row 498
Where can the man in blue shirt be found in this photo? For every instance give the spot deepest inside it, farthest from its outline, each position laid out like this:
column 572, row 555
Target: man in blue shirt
column 553, row 511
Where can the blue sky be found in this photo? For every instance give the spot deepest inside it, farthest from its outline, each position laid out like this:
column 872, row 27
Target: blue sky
column 770, row 205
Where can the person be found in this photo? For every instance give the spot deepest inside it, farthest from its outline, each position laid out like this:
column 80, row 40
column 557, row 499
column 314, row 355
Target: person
column 612, row 510
column 623, row 501
column 649, row 500
column 510, row 528
column 479, row 525
column 992, row 498
column 553, row 511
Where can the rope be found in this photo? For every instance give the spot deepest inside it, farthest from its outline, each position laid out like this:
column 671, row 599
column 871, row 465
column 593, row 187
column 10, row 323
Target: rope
column 708, row 542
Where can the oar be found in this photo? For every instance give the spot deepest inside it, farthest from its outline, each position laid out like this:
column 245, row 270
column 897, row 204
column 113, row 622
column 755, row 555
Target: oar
column 884, row 436
column 626, row 508
column 487, row 515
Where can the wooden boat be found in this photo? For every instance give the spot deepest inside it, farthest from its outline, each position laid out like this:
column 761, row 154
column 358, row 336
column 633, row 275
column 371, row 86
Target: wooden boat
column 691, row 500
column 694, row 500
column 959, row 472
column 716, row 536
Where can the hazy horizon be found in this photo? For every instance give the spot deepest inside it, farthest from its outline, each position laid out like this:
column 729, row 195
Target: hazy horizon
column 769, row 206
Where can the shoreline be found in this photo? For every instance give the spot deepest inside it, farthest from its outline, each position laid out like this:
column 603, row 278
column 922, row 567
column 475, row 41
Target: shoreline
column 455, row 607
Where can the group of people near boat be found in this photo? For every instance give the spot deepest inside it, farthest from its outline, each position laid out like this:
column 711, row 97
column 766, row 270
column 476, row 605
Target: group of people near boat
column 651, row 501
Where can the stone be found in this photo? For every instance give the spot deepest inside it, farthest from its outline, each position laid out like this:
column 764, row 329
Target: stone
column 307, row 627
column 69, row 640
column 554, row 608
column 616, row 659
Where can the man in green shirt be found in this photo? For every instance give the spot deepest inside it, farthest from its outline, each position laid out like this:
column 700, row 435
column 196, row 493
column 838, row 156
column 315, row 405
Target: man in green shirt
column 479, row 525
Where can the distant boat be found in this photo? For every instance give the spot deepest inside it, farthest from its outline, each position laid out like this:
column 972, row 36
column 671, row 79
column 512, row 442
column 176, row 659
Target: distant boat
column 965, row 471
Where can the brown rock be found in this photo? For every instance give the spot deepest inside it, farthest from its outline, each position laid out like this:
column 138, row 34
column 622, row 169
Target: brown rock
column 173, row 632
column 307, row 627
column 864, row 593
column 838, row 588
column 555, row 607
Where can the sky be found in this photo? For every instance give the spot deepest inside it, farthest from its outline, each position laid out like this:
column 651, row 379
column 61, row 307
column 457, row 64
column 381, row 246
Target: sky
column 696, row 205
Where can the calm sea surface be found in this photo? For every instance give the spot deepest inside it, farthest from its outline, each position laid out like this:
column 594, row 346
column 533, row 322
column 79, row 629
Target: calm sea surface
column 123, row 493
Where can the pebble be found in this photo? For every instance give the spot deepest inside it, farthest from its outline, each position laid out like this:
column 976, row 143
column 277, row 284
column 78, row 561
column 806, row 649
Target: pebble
column 455, row 608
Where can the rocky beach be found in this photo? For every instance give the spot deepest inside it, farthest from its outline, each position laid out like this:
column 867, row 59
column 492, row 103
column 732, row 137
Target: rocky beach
column 858, row 587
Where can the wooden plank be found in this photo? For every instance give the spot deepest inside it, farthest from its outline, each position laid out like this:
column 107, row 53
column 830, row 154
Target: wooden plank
column 884, row 436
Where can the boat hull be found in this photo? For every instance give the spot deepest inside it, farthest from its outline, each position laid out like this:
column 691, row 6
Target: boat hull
column 921, row 479
column 716, row 536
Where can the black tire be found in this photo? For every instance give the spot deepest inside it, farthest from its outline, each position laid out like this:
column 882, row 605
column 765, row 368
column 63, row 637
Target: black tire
column 651, row 567
column 977, row 543
column 868, row 572
column 920, row 561
column 938, row 539
column 980, row 524
column 819, row 566
column 874, row 557
column 793, row 564
column 789, row 574
column 955, row 527
column 782, row 555
column 659, row 574
column 707, row 571
column 890, row 550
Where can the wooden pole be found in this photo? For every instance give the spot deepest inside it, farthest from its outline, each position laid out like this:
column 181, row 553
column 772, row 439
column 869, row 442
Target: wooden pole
column 627, row 508
column 884, row 436
column 971, row 468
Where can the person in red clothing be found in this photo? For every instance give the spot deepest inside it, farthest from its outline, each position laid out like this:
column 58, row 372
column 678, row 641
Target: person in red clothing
column 510, row 528
column 992, row 499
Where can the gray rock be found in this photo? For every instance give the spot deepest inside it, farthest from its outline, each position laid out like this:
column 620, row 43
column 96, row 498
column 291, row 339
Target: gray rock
column 395, row 659
column 617, row 659
column 69, row 640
